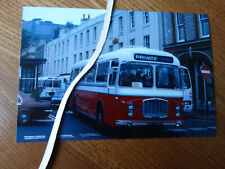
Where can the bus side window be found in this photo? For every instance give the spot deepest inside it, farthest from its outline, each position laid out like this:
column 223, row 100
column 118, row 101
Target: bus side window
column 71, row 75
column 102, row 72
column 84, row 77
column 90, row 77
column 112, row 77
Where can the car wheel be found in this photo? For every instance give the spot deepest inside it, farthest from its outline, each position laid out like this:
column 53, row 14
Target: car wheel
column 24, row 118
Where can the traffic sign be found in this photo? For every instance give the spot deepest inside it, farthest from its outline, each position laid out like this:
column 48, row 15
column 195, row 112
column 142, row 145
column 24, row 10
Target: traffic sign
column 205, row 71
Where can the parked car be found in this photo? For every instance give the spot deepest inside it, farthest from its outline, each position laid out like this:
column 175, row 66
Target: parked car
column 57, row 97
column 29, row 108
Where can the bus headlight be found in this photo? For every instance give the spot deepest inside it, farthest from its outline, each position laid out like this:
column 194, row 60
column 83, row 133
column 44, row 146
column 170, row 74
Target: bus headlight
column 130, row 109
column 177, row 110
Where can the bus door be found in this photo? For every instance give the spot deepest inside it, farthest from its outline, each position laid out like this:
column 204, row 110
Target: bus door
column 112, row 71
column 187, row 89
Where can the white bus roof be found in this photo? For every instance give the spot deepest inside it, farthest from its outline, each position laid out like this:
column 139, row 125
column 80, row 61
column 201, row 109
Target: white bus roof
column 127, row 54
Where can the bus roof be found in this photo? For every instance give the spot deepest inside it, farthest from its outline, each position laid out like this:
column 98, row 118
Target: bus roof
column 128, row 53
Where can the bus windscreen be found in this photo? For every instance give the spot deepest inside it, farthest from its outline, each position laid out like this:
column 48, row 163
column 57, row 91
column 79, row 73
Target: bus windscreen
column 141, row 73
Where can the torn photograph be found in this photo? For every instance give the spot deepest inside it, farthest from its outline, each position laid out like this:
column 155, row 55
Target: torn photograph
column 153, row 79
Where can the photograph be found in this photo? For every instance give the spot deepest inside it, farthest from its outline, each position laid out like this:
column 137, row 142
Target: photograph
column 153, row 79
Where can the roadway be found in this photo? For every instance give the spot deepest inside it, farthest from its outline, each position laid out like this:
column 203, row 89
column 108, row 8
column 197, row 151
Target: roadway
column 83, row 128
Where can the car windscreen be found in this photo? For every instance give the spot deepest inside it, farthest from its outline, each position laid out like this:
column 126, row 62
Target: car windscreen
column 133, row 74
column 52, row 83
column 168, row 77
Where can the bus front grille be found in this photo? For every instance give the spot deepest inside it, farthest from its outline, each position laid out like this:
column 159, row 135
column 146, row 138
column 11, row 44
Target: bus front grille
column 155, row 108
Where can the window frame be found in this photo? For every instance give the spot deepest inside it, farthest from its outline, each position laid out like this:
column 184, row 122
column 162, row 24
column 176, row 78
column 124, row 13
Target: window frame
column 145, row 41
column 132, row 20
column 200, row 25
column 144, row 15
column 120, row 25
column 178, row 26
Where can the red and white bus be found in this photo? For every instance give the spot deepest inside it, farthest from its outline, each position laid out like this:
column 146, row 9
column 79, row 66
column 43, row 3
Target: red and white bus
column 131, row 87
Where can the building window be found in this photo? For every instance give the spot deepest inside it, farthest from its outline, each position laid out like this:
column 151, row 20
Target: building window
column 146, row 18
column 94, row 33
column 179, row 27
column 80, row 57
column 132, row 42
column 62, row 66
column 203, row 25
column 48, row 68
column 75, row 58
column 55, row 50
column 87, row 54
column 54, row 68
column 147, row 41
column 81, row 40
column 120, row 25
column 75, row 42
column 120, row 45
column 67, row 47
column 58, row 66
column 87, row 37
column 110, row 48
column 131, row 18
column 48, row 52
column 63, row 48
column 59, row 49
column 66, row 68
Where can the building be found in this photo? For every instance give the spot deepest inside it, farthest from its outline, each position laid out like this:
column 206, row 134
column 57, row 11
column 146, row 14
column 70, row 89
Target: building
column 187, row 36
column 30, row 62
column 128, row 28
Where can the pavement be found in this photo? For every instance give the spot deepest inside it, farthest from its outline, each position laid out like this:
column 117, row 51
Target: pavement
column 200, row 115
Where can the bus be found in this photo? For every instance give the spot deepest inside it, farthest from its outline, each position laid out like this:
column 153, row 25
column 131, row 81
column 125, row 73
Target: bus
column 49, row 86
column 130, row 87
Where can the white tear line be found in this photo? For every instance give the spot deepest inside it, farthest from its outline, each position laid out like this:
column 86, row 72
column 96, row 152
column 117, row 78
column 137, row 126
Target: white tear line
column 101, row 42
column 34, row 137
column 90, row 134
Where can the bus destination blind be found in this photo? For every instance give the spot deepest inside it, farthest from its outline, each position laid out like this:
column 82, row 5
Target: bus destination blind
column 154, row 58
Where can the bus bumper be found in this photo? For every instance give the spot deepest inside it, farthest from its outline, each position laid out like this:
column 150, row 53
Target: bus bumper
column 148, row 123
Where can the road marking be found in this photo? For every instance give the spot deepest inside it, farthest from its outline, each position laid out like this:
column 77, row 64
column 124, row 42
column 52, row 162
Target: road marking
column 90, row 134
column 212, row 127
column 66, row 136
column 197, row 128
column 44, row 120
column 51, row 116
column 69, row 112
column 34, row 137
column 177, row 130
